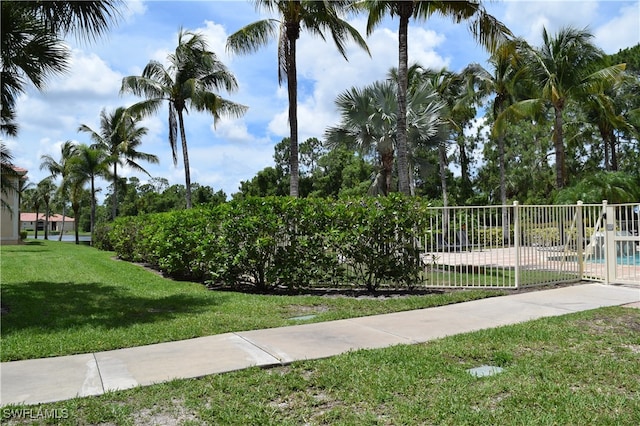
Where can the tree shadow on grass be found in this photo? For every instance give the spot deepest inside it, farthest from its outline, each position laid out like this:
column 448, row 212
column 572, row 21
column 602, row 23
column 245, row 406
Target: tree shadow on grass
column 66, row 305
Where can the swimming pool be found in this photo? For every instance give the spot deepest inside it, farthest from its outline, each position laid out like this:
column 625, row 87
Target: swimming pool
column 621, row 260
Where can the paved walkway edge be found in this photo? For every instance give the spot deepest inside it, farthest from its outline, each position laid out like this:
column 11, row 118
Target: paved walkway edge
column 54, row 379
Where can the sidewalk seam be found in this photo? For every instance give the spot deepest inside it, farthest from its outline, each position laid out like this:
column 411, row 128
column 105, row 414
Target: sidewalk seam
column 93, row 354
column 280, row 360
column 359, row 324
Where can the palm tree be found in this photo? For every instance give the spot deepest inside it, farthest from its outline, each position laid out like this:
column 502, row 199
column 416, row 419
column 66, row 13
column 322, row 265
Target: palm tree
column 604, row 109
column 31, row 40
column 61, row 168
column 45, row 190
column 88, row 164
column 8, row 174
column 77, row 193
column 194, row 72
column 316, row 17
column 567, row 66
column 369, row 123
column 368, row 118
column 120, row 137
column 508, row 71
column 489, row 32
column 509, row 81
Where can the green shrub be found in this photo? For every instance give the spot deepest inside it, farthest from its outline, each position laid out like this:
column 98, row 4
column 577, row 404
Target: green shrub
column 125, row 237
column 280, row 241
column 375, row 237
column 102, row 236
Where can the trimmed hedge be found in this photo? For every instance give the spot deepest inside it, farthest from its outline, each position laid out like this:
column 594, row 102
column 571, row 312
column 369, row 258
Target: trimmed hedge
column 279, row 241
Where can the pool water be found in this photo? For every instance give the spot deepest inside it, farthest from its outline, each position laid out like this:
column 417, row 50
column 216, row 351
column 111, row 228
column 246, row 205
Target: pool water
column 621, row 260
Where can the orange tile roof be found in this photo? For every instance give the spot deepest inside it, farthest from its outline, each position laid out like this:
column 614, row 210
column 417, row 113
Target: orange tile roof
column 31, row 217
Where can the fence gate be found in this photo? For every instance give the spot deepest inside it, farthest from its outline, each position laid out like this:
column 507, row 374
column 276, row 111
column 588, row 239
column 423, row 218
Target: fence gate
column 622, row 243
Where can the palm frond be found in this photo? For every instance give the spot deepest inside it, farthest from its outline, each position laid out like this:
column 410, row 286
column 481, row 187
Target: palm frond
column 254, row 36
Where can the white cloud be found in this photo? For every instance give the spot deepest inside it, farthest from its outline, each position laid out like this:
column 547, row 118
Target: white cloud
column 622, row 31
column 133, row 8
column 216, row 36
column 223, row 166
column 232, row 130
column 526, row 18
column 89, row 76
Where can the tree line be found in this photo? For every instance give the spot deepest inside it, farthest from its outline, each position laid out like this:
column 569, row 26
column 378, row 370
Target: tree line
column 553, row 114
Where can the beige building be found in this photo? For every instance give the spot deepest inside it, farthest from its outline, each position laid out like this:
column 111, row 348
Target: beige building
column 10, row 212
column 57, row 222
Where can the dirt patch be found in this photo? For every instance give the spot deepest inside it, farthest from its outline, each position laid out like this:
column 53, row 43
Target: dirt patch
column 297, row 310
column 173, row 414
column 381, row 293
column 604, row 324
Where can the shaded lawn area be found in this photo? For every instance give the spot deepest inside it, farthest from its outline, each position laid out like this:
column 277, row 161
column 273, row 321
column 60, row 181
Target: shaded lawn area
column 577, row 369
column 61, row 299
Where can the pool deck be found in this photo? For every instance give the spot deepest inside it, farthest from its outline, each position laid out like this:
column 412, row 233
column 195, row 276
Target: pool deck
column 534, row 258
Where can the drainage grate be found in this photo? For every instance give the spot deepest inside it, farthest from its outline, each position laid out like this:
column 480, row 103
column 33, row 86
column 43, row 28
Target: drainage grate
column 303, row 318
column 485, row 370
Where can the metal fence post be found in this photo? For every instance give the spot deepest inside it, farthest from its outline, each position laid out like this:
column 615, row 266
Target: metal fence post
column 580, row 240
column 609, row 242
column 516, row 241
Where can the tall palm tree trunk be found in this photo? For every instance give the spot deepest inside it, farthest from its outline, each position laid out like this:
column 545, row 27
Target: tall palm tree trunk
column 614, row 155
column 558, row 142
column 442, row 151
column 503, row 189
column 36, row 229
column 293, row 32
column 76, row 220
column 442, row 159
column 185, row 158
column 405, row 11
column 46, row 222
column 387, row 168
column 114, row 206
column 93, row 207
column 64, row 212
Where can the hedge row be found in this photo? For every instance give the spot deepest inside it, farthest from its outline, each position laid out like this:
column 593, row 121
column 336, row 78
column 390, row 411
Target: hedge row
column 268, row 242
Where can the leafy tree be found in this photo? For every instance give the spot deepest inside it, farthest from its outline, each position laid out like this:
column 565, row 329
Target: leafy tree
column 205, row 196
column 489, row 32
column 189, row 81
column 317, row 17
column 615, row 187
column 120, row 136
column 339, row 173
column 629, row 56
column 268, row 182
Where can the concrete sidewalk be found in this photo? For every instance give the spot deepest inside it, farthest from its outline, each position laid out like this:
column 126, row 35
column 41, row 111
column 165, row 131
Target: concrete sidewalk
column 53, row 379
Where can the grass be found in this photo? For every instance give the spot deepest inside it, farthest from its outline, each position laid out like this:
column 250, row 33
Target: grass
column 575, row 369
column 61, row 299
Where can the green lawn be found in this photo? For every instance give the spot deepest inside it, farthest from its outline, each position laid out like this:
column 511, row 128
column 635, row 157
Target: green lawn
column 60, row 299
column 578, row 369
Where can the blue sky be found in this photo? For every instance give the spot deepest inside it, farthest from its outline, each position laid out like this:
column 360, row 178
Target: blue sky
column 236, row 149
